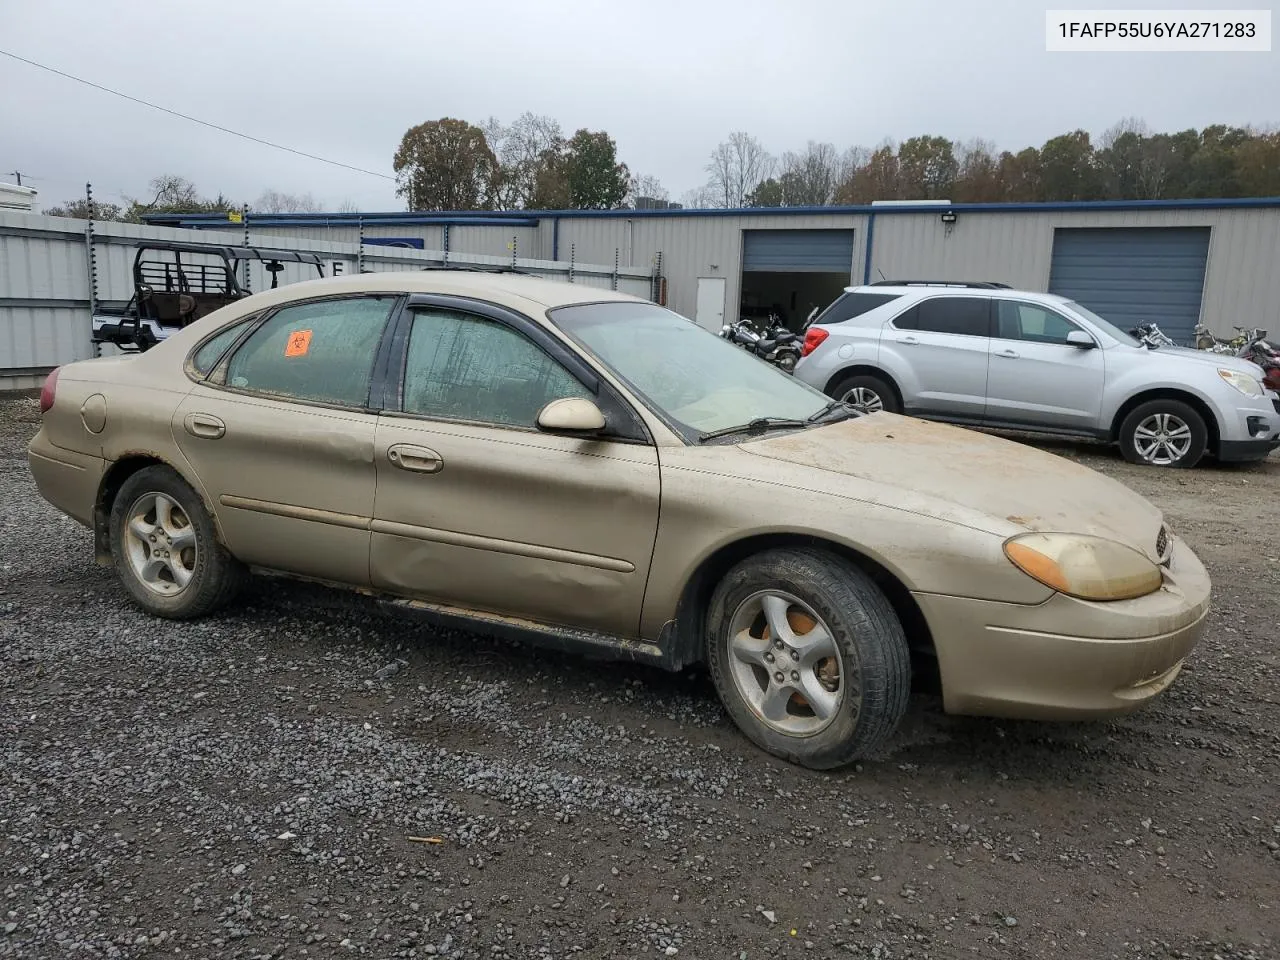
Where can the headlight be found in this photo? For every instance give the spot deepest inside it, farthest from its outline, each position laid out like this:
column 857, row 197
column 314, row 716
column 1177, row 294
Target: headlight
column 1091, row 568
column 1242, row 382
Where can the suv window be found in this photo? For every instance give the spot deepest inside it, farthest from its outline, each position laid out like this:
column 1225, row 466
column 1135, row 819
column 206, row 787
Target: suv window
column 321, row 351
column 462, row 367
column 851, row 305
column 1018, row 320
column 963, row 315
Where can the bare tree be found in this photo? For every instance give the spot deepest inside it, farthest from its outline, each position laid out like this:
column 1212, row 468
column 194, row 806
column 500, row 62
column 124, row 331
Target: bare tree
column 810, row 177
column 520, row 149
column 275, row 201
column 700, row 198
column 646, row 185
column 348, row 206
column 737, row 167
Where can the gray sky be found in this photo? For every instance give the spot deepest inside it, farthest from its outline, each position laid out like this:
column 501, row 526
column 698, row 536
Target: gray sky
column 667, row 79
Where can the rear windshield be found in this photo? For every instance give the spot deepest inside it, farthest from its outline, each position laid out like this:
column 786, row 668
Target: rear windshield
column 851, row 305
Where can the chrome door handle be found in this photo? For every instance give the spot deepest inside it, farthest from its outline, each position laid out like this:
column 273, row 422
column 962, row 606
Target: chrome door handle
column 911, row 340
column 406, row 456
column 205, row 426
column 1011, row 354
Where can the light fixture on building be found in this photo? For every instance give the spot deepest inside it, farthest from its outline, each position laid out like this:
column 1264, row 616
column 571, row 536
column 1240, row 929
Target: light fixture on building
column 949, row 216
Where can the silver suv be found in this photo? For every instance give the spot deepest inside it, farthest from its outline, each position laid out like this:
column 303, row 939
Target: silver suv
column 986, row 355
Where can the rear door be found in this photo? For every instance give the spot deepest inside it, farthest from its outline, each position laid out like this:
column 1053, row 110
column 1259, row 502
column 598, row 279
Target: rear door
column 1035, row 377
column 942, row 345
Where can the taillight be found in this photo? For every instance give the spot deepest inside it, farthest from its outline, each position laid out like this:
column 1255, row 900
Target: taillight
column 813, row 338
column 48, row 391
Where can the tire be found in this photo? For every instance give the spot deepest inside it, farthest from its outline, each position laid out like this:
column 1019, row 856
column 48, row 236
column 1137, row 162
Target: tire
column 197, row 575
column 816, row 590
column 873, row 393
column 1184, row 427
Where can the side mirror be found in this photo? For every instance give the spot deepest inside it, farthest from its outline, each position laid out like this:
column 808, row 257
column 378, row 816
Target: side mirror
column 1078, row 338
column 575, row 415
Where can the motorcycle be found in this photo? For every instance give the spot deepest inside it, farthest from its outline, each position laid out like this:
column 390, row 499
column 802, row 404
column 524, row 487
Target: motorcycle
column 1150, row 335
column 777, row 345
column 1265, row 354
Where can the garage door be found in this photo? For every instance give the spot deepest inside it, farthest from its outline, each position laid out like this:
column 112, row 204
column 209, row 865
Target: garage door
column 1132, row 276
column 798, row 251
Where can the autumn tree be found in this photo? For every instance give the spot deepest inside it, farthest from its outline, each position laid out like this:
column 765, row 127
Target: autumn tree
column 810, row 177
column 446, row 164
column 977, row 173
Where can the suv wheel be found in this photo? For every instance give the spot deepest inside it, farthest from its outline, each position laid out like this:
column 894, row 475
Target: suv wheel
column 1163, row 433
column 866, row 393
column 808, row 657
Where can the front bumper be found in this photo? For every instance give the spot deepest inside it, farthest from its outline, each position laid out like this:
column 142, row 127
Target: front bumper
column 1067, row 659
column 1250, row 431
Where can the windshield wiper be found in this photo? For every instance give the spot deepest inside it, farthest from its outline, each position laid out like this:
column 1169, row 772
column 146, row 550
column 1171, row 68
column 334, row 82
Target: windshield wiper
column 832, row 407
column 758, row 425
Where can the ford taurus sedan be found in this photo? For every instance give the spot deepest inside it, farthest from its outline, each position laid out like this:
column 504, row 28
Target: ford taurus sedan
column 595, row 472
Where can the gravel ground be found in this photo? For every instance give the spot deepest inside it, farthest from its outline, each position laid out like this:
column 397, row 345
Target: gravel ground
column 246, row 786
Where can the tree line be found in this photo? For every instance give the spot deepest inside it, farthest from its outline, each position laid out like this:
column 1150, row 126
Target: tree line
column 529, row 164
column 1128, row 162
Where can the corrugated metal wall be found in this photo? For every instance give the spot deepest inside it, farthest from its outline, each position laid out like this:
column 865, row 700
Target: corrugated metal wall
column 691, row 247
column 1242, row 284
column 44, row 278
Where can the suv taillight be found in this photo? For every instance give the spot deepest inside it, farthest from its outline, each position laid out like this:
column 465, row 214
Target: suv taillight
column 48, row 391
column 813, row 337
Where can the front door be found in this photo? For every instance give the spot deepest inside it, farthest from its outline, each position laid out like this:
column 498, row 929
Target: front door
column 710, row 314
column 941, row 344
column 1035, row 377
column 281, row 439
column 478, row 509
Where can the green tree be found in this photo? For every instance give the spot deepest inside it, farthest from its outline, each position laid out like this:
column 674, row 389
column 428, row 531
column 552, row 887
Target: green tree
column 1019, row 175
column 1258, row 166
column 1067, row 168
column 927, row 168
column 595, row 178
column 768, row 193
column 445, row 165
column 79, row 210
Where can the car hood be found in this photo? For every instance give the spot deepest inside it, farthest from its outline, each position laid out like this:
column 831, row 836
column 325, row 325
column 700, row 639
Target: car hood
column 968, row 477
column 1224, row 361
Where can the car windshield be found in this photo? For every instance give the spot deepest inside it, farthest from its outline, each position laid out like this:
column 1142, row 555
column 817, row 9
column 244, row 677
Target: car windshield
column 698, row 381
column 1106, row 325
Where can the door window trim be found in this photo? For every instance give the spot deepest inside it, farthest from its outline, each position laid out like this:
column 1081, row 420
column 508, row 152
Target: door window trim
column 625, row 423
column 217, row 376
column 248, row 323
column 991, row 316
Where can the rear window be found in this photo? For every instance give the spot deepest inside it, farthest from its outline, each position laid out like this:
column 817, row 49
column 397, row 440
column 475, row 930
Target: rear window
column 852, row 305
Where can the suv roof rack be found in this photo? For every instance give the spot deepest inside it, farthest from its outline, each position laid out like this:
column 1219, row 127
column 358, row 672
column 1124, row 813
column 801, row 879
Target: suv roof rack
column 975, row 284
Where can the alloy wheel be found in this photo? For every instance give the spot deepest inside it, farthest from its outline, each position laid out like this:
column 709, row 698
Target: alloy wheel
column 161, row 544
column 1162, row 439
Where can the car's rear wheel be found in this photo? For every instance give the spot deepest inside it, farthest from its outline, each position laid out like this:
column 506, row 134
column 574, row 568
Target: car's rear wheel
column 165, row 549
column 1164, row 433
column 867, row 393
column 808, row 657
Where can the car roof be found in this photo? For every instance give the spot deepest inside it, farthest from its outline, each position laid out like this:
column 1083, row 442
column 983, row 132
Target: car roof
column 516, row 290
column 958, row 289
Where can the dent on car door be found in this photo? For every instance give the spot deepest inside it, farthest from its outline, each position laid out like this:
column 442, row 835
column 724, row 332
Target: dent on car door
column 281, row 438
column 1036, row 377
column 478, row 509
column 943, row 342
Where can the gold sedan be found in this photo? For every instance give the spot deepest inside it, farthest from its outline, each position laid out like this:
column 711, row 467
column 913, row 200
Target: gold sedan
column 592, row 471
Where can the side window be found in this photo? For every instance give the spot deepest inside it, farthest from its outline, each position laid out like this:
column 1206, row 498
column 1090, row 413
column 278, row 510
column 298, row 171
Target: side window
column 462, row 367
column 908, row 320
column 852, row 305
column 1017, row 320
column 322, row 351
column 964, row 315
column 211, row 351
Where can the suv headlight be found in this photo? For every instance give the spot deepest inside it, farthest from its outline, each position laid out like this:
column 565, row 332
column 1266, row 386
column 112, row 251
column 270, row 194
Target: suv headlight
column 1246, row 384
column 1090, row 568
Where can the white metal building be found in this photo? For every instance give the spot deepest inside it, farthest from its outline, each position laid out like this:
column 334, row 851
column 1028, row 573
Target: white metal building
column 1176, row 262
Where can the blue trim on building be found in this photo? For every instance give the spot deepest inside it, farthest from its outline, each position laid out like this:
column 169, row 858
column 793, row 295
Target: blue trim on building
column 531, row 218
column 866, row 260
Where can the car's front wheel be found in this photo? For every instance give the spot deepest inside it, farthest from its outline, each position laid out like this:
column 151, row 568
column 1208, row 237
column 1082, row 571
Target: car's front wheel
column 165, row 549
column 866, row 393
column 808, row 656
column 1164, row 433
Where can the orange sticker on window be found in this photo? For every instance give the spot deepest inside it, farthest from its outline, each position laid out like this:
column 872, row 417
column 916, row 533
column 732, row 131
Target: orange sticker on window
column 298, row 344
